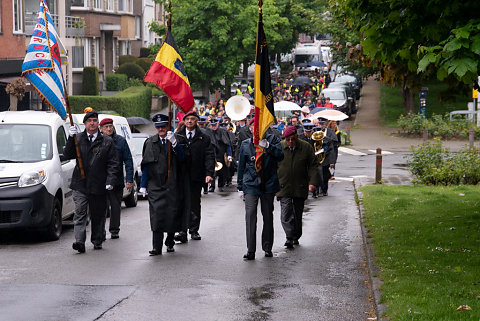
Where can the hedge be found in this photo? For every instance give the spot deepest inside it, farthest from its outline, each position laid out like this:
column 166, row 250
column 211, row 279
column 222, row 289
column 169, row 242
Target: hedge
column 116, row 82
column 90, row 85
column 145, row 63
column 123, row 59
column 133, row 101
column 131, row 70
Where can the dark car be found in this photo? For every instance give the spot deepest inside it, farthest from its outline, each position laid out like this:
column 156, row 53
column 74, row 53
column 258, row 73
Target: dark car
column 338, row 97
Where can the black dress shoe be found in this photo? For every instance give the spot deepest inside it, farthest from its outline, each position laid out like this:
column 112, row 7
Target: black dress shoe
column 325, row 193
column 170, row 249
column 211, row 190
column 97, row 246
column 114, row 236
column 268, row 254
column 295, row 242
column 249, row 256
column 181, row 237
column 205, row 191
column 155, row 252
column 80, row 247
column 195, row 236
column 289, row 244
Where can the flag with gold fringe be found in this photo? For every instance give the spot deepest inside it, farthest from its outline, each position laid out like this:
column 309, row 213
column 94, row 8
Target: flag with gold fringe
column 168, row 73
column 264, row 111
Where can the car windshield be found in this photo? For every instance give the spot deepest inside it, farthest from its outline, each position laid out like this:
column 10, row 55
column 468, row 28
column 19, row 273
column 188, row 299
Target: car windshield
column 335, row 95
column 303, row 59
column 138, row 144
column 25, row 143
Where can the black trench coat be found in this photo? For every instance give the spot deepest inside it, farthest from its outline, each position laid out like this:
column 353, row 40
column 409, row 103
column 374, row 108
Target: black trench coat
column 168, row 199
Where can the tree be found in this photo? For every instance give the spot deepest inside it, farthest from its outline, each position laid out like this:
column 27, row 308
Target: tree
column 392, row 32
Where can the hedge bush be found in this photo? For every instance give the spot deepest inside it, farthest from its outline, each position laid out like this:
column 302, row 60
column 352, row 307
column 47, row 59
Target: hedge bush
column 131, row 70
column 434, row 165
column 144, row 52
column 90, row 82
column 126, row 59
column 145, row 63
column 133, row 101
column 116, row 82
column 437, row 126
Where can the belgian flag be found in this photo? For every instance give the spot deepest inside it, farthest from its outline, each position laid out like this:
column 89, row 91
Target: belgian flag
column 264, row 112
column 168, row 73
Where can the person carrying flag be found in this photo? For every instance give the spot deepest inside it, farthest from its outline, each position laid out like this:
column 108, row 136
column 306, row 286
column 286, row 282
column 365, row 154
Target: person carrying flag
column 263, row 185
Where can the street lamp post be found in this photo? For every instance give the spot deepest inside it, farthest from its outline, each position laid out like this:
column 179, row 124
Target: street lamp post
column 422, row 96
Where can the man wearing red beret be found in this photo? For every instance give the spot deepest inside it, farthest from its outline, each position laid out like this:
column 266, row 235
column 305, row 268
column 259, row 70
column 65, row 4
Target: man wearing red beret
column 124, row 157
column 297, row 173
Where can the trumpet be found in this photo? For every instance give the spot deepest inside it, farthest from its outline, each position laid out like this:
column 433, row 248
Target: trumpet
column 318, row 145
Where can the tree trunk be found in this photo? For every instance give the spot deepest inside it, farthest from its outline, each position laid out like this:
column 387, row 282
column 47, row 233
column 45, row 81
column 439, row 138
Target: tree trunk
column 408, row 101
column 206, row 91
column 228, row 89
column 13, row 103
column 245, row 70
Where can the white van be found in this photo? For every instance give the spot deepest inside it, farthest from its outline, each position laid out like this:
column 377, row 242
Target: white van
column 130, row 197
column 34, row 177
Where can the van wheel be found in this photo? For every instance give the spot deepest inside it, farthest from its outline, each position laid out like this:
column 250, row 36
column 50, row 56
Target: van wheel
column 132, row 199
column 54, row 229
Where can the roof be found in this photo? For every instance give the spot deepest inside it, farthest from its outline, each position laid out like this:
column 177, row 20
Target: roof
column 29, row 117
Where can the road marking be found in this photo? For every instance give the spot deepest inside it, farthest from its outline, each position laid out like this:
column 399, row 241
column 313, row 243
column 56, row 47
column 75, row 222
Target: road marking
column 384, row 152
column 350, row 151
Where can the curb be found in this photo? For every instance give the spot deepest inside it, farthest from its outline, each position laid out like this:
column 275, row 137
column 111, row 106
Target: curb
column 372, row 268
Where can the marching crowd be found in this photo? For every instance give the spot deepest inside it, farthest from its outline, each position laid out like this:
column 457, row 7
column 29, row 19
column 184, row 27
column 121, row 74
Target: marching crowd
column 204, row 153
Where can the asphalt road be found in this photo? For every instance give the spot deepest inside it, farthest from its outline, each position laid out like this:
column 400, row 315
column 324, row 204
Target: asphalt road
column 322, row 279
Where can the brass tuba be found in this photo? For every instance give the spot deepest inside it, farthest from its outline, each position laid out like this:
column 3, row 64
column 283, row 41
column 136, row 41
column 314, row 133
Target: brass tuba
column 318, row 137
column 237, row 107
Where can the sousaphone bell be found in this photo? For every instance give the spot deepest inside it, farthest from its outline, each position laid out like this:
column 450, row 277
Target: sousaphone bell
column 237, row 107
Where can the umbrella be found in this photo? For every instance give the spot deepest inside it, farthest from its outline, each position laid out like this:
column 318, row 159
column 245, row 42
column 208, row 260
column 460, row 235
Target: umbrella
column 285, row 105
column 317, row 64
column 302, row 80
column 330, row 114
column 138, row 121
column 316, row 110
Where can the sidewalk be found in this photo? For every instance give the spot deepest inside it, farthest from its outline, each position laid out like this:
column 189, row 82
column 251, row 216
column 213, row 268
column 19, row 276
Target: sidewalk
column 367, row 133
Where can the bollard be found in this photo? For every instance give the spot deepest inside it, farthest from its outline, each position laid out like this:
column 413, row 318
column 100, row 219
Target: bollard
column 425, row 135
column 347, row 139
column 378, row 167
column 470, row 137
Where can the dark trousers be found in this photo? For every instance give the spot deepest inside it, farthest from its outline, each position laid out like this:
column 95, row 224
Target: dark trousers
column 115, row 201
column 291, row 216
column 157, row 240
column 98, row 206
column 195, row 206
column 325, row 177
column 266, row 206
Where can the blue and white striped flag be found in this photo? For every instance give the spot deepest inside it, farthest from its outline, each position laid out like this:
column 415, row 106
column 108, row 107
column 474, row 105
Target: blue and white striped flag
column 42, row 64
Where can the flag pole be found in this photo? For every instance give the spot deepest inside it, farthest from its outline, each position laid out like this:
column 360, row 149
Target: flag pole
column 77, row 148
column 169, row 25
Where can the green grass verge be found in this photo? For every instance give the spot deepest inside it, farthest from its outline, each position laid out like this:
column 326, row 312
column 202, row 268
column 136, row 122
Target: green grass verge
column 391, row 105
column 427, row 243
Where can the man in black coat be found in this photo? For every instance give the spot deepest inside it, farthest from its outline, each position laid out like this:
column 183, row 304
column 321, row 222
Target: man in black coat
column 223, row 153
column 200, row 162
column 100, row 163
column 167, row 185
column 124, row 157
column 327, row 166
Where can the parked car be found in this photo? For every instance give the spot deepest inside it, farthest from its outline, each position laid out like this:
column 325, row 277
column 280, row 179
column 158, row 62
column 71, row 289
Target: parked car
column 138, row 139
column 34, row 175
column 350, row 94
column 355, row 81
column 130, row 197
column 339, row 98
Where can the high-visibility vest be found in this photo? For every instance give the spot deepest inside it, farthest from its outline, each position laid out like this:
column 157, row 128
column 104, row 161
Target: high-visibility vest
column 250, row 89
column 239, row 92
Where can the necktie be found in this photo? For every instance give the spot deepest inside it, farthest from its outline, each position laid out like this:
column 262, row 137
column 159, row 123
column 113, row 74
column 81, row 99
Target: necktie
column 163, row 141
column 190, row 136
column 91, row 138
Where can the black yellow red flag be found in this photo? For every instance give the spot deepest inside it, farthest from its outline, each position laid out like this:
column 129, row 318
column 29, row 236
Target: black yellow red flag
column 264, row 112
column 168, row 73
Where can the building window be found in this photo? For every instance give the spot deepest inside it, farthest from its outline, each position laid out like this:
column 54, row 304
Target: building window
column 110, row 5
column 138, row 26
column 79, row 3
column 17, row 16
column 159, row 11
column 125, row 6
column 78, row 57
column 97, row 4
column 120, row 5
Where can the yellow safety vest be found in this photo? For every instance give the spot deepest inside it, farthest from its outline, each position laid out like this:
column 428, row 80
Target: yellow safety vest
column 239, row 92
